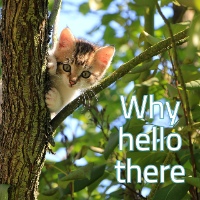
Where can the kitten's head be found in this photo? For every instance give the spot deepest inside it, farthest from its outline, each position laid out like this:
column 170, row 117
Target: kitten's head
column 79, row 63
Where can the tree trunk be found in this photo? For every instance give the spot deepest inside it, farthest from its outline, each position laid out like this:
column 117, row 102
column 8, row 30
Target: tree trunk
column 23, row 140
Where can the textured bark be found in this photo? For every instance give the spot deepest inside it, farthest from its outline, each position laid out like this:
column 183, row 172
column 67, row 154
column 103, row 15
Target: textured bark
column 23, row 140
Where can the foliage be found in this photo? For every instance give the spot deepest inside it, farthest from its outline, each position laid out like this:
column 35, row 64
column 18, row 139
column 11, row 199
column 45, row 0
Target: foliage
column 87, row 171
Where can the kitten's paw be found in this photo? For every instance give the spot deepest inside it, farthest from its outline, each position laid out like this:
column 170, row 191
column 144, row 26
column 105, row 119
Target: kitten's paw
column 53, row 100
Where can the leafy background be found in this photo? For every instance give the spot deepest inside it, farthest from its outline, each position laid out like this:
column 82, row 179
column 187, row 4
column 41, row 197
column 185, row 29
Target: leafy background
column 87, row 142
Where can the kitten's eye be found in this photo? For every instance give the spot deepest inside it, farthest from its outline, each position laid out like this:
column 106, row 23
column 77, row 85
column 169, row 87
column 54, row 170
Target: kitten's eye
column 85, row 74
column 67, row 67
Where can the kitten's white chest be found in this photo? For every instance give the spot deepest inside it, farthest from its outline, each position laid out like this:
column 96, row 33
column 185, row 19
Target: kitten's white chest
column 67, row 93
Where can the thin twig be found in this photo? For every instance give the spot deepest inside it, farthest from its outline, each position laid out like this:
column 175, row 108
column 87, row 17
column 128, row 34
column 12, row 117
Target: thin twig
column 187, row 110
column 158, row 48
column 186, row 107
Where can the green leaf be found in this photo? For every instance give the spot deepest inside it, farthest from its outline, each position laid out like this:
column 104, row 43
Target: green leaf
column 130, row 77
column 58, row 167
column 96, row 173
column 176, row 28
column 184, row 156
column 112, row 143
column 96, row 183
column 194, row 98
column 172, row 91
column 51, row 194
column 144, row 36
column 80, row 173
column 106, row 3
column 149, row 82
column 172, row 192
column 134, row 126
column 144, row 2
column 153, row 64
column 106, row 19
column 82, row 152
column 4, row 191
column 190, row 72
column 193, row 181
column 119, row 194
column 192, row 85
column 84, row 8
column 143, row 158
column 108, row 33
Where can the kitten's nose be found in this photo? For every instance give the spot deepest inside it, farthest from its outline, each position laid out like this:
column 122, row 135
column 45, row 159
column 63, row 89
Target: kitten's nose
column 72, row 82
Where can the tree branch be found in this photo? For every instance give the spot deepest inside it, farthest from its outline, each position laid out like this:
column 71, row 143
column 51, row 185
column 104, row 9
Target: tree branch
column 54, row 12
column 158, row 48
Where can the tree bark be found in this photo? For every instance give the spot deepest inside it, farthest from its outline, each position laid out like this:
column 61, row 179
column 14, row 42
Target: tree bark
column 23, row 141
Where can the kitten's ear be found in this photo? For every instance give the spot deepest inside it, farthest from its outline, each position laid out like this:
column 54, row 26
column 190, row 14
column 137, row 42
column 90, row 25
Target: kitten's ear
column 105, row 55
column 66, row 38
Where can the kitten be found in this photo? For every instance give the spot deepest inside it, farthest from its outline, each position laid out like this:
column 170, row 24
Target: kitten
column 74, row 65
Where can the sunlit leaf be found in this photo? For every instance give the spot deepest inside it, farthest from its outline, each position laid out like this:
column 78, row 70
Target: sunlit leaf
column 95, row 4
column 193, row 85
column 144, row 36
column 148, row 82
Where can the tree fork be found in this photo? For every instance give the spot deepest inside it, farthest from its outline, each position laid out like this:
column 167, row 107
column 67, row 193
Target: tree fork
column 23, row 140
